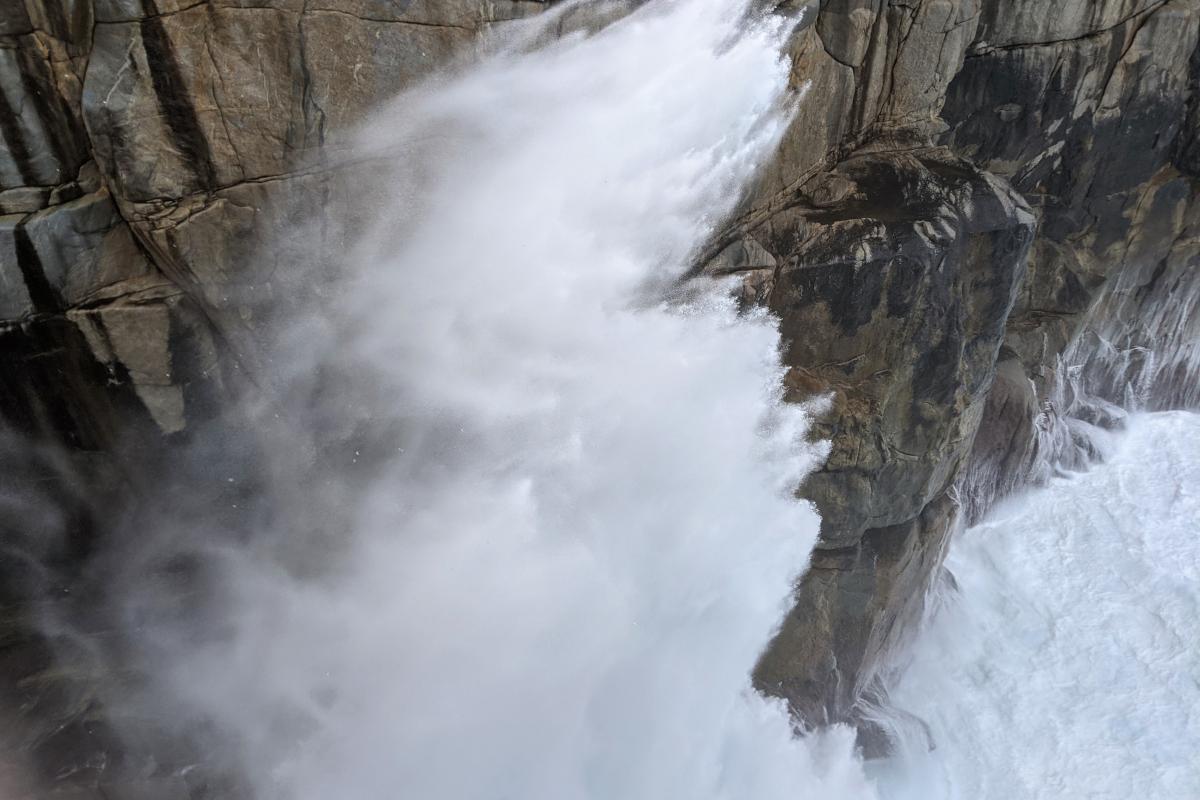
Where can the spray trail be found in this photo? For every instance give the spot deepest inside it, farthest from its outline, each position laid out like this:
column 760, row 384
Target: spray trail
column 577, row 527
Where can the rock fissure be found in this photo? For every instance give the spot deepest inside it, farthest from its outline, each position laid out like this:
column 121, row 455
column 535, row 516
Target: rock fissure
column 985, row 50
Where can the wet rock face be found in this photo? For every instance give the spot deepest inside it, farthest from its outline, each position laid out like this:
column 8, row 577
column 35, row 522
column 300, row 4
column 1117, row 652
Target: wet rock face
column 870, row 595
column 893, row 277
column 895, row 274
column 158, row 141
column 934, row 291
column 913, row 341
column 1096, row 125
column 969, row 190
column 247, row 107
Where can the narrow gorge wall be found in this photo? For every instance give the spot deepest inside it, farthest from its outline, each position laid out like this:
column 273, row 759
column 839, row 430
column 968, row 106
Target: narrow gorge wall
column 971, row 191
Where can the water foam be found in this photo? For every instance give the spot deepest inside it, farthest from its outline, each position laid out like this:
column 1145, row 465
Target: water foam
column 1065, row 666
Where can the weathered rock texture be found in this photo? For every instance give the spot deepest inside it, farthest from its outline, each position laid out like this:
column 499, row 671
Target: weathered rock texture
column 972, row 191
column 982, row 220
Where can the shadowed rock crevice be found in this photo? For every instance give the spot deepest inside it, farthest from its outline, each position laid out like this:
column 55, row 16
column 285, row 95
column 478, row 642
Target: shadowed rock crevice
column 14, row 141
column 897, row 272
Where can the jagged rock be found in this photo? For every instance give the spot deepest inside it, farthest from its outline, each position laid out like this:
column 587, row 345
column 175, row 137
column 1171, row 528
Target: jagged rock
column 908, row 387
column 1145, row 328
column 869, row 596
column 866, row 70
column 43, row 55
column 122, row 270
column 1006, row 442
column 1090, row 142
column 15, row 300
column 24, row 199
column 1099, row 135
column 81, row 248
column 78, row 260
column 1086, row 111
column 245, row 107
column 205, row 120
column 61, row 256
column 895, row 276
column 210, row 90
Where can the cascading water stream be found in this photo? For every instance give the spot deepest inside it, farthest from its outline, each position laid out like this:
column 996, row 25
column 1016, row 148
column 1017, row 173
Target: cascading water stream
column 576, row 527
column 567, row 527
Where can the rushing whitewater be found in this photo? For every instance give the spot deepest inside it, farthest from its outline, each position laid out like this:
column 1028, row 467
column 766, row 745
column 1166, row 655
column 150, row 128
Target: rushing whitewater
column 1066, row 664
column 575, row 529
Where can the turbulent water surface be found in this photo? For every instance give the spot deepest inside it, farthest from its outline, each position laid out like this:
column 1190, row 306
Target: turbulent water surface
column 1066, row 666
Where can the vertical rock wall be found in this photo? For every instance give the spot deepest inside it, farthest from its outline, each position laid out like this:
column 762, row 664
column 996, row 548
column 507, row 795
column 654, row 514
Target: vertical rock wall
column 976, row 197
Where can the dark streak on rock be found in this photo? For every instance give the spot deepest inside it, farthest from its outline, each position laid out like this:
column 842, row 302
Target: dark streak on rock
column 59, row 390
column 1186, row 156
column 45, row 297
column 14, row 137
column 174, row 98
column 59, row 27
column 58, row 122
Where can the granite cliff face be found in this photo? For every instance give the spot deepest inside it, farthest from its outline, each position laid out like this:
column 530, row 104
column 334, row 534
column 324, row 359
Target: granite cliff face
column 981, row 238
column 983, row 215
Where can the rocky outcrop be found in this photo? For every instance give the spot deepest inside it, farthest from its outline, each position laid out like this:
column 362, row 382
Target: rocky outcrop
column 902, row 328
column 982, row 219
column 244, row 108
column 1095, row 125
column 98, row 337
column 981, row 216
column 1086, row 124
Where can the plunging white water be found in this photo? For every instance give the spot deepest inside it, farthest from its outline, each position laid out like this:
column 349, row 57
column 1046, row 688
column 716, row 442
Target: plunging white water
column 1067, row 664
column 575, row 530
column 557, row 584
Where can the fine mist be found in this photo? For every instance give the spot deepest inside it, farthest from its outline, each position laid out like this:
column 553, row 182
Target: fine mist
column 530, row 514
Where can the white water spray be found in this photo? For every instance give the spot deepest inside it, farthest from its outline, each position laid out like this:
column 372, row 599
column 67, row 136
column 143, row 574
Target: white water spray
column 557, row 581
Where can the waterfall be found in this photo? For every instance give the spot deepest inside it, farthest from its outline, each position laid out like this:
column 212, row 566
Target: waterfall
column 573, row 525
